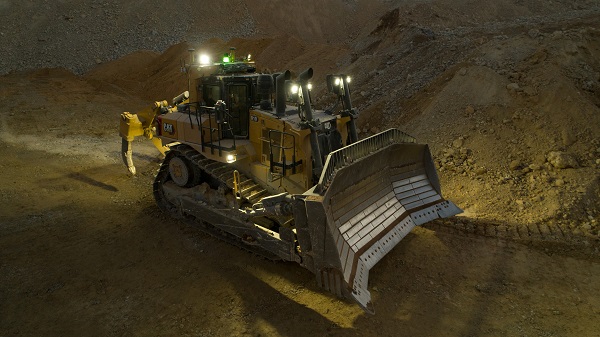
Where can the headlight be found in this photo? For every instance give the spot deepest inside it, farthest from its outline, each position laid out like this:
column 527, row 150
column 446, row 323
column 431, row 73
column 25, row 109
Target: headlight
column 309, row 86
column 230, row 158
column 335, row 83
column 294, row 89
column 204, row 60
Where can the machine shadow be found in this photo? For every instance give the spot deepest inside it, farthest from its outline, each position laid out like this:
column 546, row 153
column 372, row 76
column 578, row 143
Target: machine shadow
column 91, row 181
column 281, row 314
column 93, row 177
column 146, row 157
column 265, row 291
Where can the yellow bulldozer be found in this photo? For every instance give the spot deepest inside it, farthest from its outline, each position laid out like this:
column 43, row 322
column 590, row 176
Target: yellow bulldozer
column 253, row 163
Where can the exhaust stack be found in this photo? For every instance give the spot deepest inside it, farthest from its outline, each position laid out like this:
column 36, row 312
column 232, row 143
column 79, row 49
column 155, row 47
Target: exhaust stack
column 265, row 87
column 280, row 92
column 348, row 105
column 314, row 139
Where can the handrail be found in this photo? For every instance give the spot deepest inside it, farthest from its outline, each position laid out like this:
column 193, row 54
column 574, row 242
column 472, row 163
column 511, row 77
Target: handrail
column 283, row 165
column 347, row 155
column 210, row 111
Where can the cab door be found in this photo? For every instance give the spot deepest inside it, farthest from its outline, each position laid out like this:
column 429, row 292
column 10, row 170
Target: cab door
column 239, row 108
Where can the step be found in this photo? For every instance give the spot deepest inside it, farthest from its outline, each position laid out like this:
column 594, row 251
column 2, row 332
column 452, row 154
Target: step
column 254, row 198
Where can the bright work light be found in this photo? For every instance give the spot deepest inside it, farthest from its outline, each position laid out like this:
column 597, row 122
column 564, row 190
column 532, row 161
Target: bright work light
column 204, row 60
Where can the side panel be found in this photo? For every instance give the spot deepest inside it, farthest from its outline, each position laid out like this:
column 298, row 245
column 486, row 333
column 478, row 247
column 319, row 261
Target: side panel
column 177, row 127
column 261, row 123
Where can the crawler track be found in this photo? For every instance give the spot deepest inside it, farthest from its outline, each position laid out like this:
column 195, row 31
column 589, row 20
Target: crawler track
column 251, row 193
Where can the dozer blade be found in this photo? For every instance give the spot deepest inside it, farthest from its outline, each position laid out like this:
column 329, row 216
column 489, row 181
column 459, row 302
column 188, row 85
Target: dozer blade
column 371, row 195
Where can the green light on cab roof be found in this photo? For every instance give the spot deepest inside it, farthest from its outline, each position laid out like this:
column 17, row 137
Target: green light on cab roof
column 226, row 59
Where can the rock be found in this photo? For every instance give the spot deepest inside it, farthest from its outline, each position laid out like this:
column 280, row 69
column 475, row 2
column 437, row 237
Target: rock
column 515, row 165
column 557, row 35
column 514, row 76
column 449, row 153
column 469, row 110
column 539, row 159
column 480, row 171
column 535, row 167
column 513, row 87
column 458, row 143
column 568, row 138
column 529, row 91
column 462, row 71
column 375, row 130
column 562, row 160
column 533, row 33
column 559, row 182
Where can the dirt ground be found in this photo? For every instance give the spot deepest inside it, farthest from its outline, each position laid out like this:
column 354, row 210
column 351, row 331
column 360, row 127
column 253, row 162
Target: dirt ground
column 507, row 97
column 86, row 252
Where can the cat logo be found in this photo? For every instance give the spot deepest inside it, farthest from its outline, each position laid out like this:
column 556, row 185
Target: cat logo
column 168, row 128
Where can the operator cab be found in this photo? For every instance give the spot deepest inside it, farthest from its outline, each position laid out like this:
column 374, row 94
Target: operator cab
column 240, row 92
column 237, row 94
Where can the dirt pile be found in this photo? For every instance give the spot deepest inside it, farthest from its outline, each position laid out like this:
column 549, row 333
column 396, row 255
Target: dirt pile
column 520, row 121
column 491, row 135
